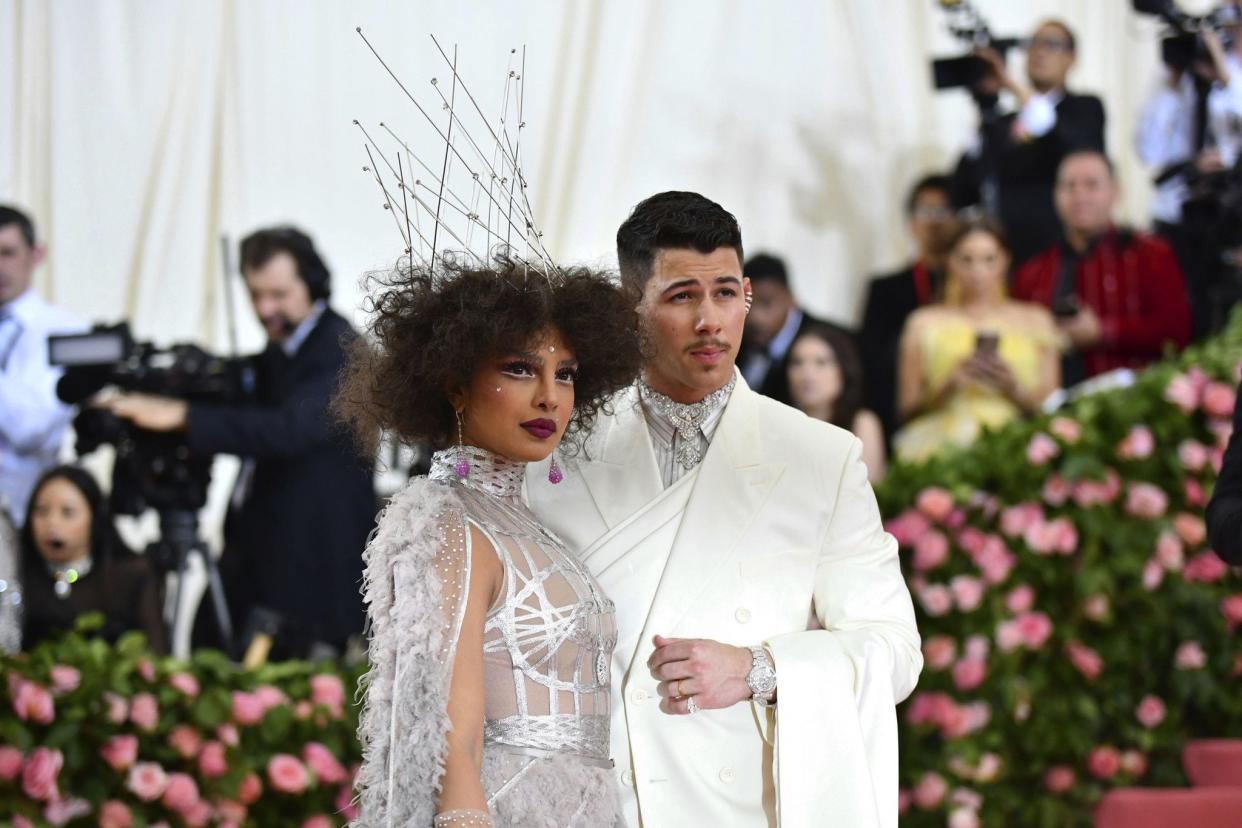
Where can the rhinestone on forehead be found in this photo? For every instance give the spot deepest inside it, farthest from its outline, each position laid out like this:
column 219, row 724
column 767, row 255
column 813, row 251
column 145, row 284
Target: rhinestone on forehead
column 686, row 419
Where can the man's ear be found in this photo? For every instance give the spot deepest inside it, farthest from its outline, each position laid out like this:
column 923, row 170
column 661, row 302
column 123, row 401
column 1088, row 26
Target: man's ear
column 38, row 254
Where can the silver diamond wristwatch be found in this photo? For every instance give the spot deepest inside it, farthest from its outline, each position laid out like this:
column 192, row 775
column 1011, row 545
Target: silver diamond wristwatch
column 762, row 676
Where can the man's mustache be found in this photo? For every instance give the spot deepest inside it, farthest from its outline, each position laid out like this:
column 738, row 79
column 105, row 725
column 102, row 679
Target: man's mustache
column 708, row 343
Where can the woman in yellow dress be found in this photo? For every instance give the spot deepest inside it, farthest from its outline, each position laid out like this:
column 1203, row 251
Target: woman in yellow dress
column 979, row 359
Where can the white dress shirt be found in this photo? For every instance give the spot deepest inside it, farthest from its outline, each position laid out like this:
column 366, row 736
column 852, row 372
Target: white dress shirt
column 665, row 440
column 32, row 419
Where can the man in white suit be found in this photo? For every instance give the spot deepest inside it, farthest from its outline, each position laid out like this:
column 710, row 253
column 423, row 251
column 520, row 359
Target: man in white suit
column 765, row 631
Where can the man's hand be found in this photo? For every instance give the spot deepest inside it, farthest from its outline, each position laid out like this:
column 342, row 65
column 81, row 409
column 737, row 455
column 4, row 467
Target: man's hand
column 1083, row 329
column 146, row 411
column 712, row 672
column 997, row 76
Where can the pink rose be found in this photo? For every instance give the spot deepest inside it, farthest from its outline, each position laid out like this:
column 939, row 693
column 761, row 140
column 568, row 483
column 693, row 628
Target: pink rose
column 1231, row 608
column 1015, row 520
column 230, row 811
column 969, row 673
column 1008, row 636
column 989, row 768
column 934, row 502
column 303, row 710
column 1020, row 599
column 1216, row 459
column 185, row 684
column 147, row 781
column 1222, row 430
column 1182, row 392
column 1137, row 445
column 65, row 679
column 938, row 653
column 995, row 561
column 286, row 774
column 345, row 801
column 1190, row 656
column 33, row 703
column 1059, row 778
column 930, row 551
column 147, row 670
column 248, row 708
column 329, row 691
column 1218, row 399
column 270, row 696
column 972, row 540
column 1190, row 528
column 1169, row 552
column 115, row 814
column 903, row 800
column 967, row 592
column 1195, row 496
column 1096, row 607
column 185, row 740
column 936, row 600
column 1150, row 712
column 20, row 821
column 211, row 761
column 930, row 791
column 40, row 774
column 118, row 708
column 1146, row 501
column 1085, row 660
column 1064, row 536
column 908, row 527
column 1056, row 490
column 964, row 818
column 250, row 789
column 1041, row 449
column 144, row 712
column 120, row 752
column 227, row 734
column 11, row 760
column 1035, row 628
column 1204, row 568
column 317, row 821
column 1103, row 762
column 63, row 811
column 977, row 647
column 327, row 769
column 1153, row 575
column 1134, row 763
column 198, row 815
column 1069, row 431
column 1193, row 454
column 180, row 794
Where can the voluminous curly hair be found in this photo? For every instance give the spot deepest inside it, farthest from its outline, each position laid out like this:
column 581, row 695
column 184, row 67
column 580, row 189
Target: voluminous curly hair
column 435, row 325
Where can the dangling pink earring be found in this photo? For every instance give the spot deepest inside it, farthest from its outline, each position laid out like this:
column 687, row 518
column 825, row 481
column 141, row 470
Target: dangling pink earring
column 462, row 467
column 554, row 472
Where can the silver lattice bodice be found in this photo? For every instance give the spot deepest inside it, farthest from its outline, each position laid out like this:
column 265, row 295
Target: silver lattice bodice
column 549, row 635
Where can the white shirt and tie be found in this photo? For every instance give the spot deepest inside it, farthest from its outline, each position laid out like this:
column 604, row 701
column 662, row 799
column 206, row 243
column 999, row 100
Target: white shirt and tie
column 32, row 419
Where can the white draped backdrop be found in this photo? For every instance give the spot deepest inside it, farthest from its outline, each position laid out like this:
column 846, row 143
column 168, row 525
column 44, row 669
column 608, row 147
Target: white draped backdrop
column 138, row 132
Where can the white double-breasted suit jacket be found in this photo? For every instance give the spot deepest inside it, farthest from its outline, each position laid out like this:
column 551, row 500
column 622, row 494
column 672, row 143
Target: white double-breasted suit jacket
column 776, row 531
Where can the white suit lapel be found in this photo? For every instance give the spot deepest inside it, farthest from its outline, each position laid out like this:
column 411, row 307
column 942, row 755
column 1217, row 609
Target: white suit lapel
column 624, row 477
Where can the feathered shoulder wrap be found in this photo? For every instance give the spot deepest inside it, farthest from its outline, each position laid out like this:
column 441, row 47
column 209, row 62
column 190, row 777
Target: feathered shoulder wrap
column 415, row 581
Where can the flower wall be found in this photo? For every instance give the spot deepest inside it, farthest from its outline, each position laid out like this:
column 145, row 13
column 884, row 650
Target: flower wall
column 1076, row 628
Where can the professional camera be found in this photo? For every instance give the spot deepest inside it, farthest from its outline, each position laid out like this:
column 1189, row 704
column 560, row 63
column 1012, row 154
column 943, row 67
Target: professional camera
column 1184, row 45
column 967, row 25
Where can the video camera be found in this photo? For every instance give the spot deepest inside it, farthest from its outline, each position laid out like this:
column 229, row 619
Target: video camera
column 1185, row 45
column 968, row 25
column 152, row 470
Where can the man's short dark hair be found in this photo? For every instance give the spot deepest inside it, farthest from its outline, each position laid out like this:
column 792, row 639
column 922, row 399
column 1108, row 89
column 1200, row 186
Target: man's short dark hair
column 671, row 221
column 259, row 247
column 928, row 183
column 11, row 215
column 764, row 267
column 1065, row 29
column 1093, row 153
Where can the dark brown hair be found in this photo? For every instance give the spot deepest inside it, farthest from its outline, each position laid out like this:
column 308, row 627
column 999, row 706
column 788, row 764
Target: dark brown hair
column 850, row 401
column 670, row 221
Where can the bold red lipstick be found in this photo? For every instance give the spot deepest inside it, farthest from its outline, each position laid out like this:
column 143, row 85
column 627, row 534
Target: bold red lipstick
column 542, row 428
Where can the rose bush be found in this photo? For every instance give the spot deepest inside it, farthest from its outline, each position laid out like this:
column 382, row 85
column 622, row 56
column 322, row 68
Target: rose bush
column 1077, row 630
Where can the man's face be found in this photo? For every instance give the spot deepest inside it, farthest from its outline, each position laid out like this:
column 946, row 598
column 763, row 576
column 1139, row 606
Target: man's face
column 1049, row 57
column 773, row 303
column 281, row 299
column 931, row 223
column 1085, row 194
column 18, row 261
column 690, row 320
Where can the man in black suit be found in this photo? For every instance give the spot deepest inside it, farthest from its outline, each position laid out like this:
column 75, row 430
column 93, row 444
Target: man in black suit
column 304, row 502
column 1224, row 512
column 1011, row 169
column 893, row 297
column 774, row 322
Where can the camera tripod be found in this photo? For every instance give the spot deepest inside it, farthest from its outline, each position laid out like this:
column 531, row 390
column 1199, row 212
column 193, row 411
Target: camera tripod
column 179, row 539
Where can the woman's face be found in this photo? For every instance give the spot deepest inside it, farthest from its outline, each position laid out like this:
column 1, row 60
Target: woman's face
column 61, row 522
column 517, row 405
column 814, row 373
column 978, row 264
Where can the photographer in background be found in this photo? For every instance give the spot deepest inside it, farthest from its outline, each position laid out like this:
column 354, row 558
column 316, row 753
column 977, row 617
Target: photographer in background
column 1011, row 168
column 1189, row 133
column 304, row 502
column 32, row 419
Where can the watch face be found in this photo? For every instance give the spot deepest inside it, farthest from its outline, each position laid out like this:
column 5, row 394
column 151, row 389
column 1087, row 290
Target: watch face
column 765, row 682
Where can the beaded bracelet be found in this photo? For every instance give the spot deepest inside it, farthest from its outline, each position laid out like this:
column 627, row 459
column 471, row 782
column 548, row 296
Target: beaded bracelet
column 463, row 819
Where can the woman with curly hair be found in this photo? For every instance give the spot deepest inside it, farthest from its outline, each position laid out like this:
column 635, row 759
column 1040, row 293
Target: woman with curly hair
column 487, row 702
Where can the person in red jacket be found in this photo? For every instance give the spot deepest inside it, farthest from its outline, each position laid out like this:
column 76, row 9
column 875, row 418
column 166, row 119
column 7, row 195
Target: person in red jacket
column 1119, row 296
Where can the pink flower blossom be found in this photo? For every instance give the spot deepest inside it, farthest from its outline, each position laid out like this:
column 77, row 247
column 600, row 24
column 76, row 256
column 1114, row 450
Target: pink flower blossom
column 962, row 817
column 286, row 774
column 198, row 815
column 33, row 703
column 1153, row 575
column 1015, row 519
column 1216, row 459
column 186, row 741
column 939, row 651
column 1020, row 599
column 345, row 801
column 969, row 673
column 1088, row 493
column 903, row 800
column 967, row 592
column 248, row 708
column 1041, row 449
column 327, row 769
column 303, row 710
column 936, row 600
column 1146, row 501
column 1008, row 636
column 930, row 551
column 250, row 789
column 118, row 708
column 227, row 733
column 20, row 821
column 1059, row 778
column 1069, row 431
column 317, row 821
column 63, row 811
column 988, row 770
column 231, row 811
column 1204, row 568
column 908, row 527
column 972, row 540
column 1190, row 528
column 1222, row 430
column 956, row 519
column 1150, row 712
column 934, row 502
column 1231, row 608
column 328, row 691
column 65, row 679
column 1183, row 392
column 1195, row 496
column 185, row 684
column 120, row 752
column 40, row 774
column 1169, row 552
column 1218, row 399
column 1134, row 763
column 1193, row 455
column 1096, row 607
column 147, row 781
column 1103, row 762
column 977, row 647
column 930, row 791
column 1085, row 660
column 1056, row 490
column 212, row 763
column 144, row 712
column 180, row 794
column 995, row 561
column 147, row 670
column 1035, row 628
column 270, row 696
column 115, row 814
column 11, row 760
column 1137, row 445
column 1190, row 656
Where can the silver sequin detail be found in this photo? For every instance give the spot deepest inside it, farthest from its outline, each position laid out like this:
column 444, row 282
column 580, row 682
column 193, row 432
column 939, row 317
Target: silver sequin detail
column 687, row 420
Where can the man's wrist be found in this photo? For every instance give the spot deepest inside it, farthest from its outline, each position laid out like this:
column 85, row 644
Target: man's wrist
column 761, row 678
